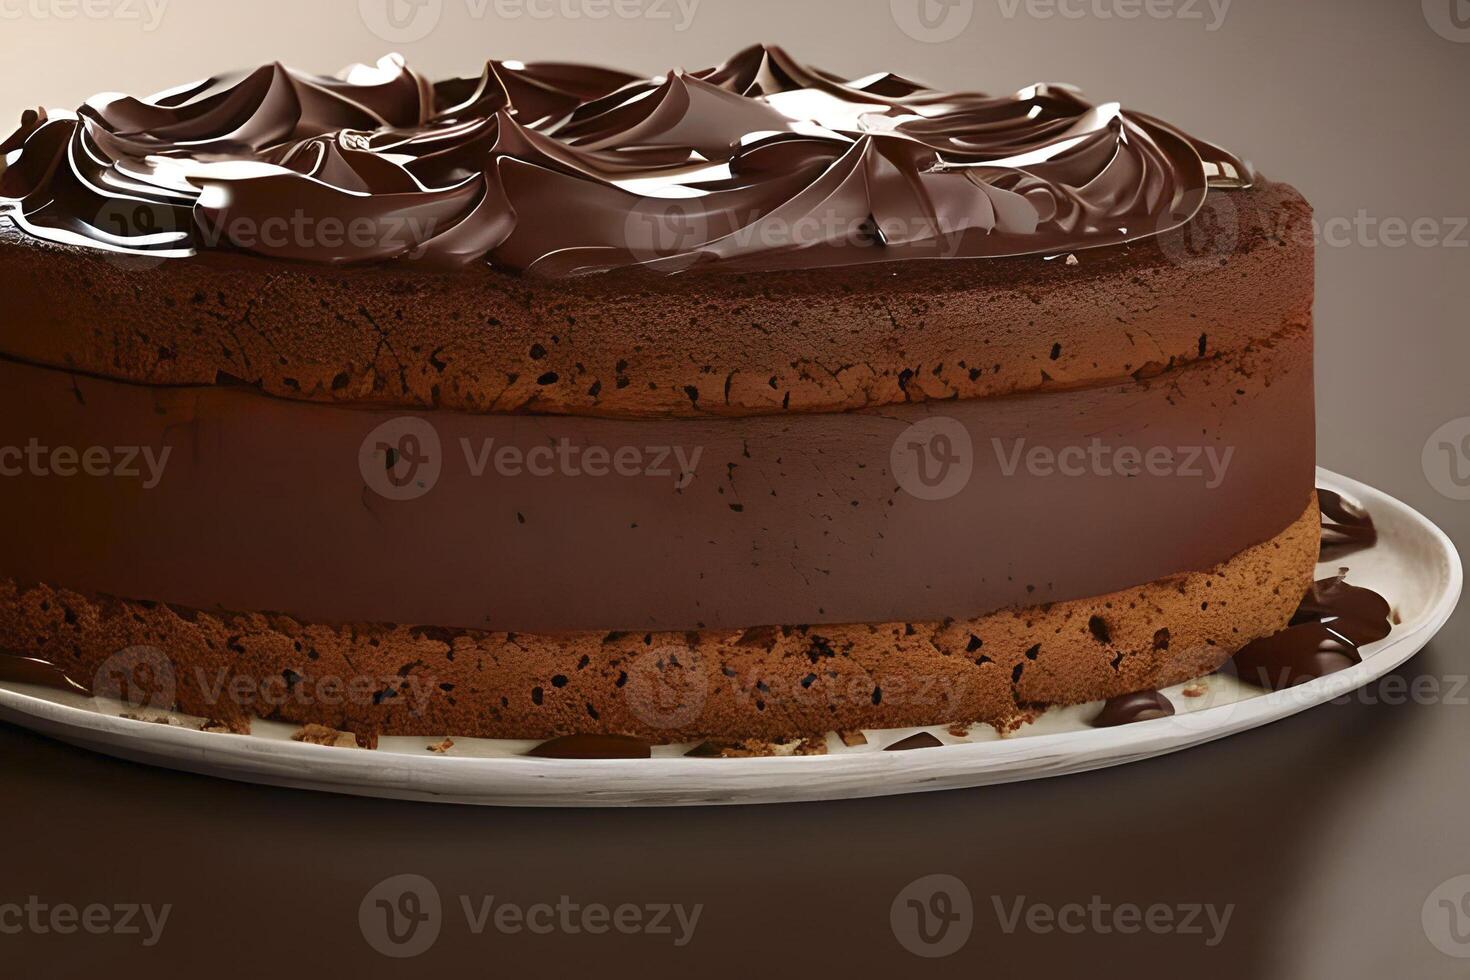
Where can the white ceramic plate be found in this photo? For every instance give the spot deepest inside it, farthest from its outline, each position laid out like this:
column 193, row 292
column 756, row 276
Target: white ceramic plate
column 1414, row 565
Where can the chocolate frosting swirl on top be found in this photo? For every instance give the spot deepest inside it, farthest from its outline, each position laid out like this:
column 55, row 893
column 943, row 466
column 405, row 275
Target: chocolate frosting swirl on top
column 557, row 170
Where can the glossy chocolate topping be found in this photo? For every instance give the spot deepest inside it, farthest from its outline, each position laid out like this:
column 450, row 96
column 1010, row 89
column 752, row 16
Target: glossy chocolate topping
column 921, row 740
column 1130, row 708
column 17, row 668
column 1346, row 527
column 557, row 170
column 592, row 747
column 1334, row 620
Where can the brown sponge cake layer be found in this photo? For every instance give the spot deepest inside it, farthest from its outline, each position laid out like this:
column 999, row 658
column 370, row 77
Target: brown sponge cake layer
column 630, row 344
column 768, row 683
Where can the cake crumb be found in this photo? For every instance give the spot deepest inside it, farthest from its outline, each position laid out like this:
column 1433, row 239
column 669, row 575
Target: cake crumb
column 754, row 748
column 801, row 746
column 851, row 739
column 322, row 735
column 164, row 720
column 442, row 747
column 222, row 728
column 1195, row 691
column 959, row 730
column 1007, row 727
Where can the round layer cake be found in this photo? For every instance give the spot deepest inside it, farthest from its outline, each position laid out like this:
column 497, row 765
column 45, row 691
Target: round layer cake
column 743, row 404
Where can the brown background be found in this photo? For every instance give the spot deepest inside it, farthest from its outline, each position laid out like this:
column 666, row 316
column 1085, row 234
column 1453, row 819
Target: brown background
column 1327, row 831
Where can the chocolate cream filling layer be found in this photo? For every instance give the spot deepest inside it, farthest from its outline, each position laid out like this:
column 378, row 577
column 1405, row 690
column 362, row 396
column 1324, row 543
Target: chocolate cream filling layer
column 219, row 498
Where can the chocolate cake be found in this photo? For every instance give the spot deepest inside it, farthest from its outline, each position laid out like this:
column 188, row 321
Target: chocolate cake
column 750, row 403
